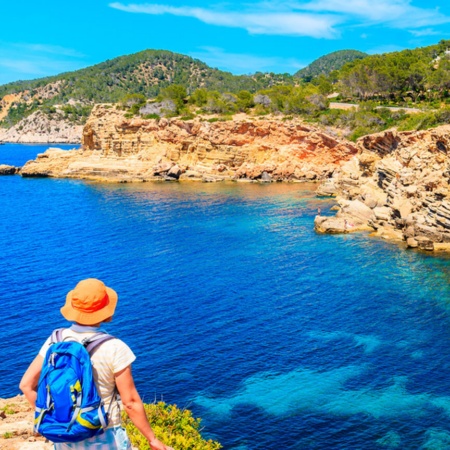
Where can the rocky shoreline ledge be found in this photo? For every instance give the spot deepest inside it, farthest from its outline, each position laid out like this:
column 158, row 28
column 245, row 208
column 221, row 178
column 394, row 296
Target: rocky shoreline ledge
column 396, row 186
column 118, row 149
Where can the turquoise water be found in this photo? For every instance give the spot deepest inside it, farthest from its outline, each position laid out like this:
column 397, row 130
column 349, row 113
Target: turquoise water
column 275, row 336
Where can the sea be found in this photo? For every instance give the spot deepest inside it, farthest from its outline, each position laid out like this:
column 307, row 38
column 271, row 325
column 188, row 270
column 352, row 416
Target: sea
column 275, row 336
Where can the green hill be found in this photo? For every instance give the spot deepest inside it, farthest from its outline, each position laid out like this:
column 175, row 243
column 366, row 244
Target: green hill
column 145, row 73
column 419, row 78
column 328, row 63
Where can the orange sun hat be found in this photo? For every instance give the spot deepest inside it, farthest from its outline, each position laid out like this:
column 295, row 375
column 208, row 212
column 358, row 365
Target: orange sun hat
column 91, row 302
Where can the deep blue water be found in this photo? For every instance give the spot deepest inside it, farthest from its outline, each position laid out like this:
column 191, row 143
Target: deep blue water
column 275, row 336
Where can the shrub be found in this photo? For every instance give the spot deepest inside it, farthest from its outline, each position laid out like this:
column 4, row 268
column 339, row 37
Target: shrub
column 152, row 116
column 358, row 132
column 245, row 101
column 260, row 110
column 199, row 97
column 173, row 426
column 188, row 116
column 418, row 121
column 174, row 92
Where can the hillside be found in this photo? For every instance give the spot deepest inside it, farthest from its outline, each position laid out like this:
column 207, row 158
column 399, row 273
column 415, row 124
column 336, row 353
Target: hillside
column 328, row 63
column 154, row 84
column 145, row 73
column 421, row 74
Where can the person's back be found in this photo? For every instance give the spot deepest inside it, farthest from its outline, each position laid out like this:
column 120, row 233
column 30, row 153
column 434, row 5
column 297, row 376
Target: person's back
column 89, row 305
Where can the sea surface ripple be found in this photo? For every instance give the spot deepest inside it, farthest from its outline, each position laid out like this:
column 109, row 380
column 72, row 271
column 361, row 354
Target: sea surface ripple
column 275, row 336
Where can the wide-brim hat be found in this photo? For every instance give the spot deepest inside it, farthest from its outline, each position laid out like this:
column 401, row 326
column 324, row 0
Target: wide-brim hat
column 90, row 302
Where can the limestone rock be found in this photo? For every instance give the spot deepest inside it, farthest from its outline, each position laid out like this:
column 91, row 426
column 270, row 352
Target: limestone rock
column 356, row 209
column 404, row 178
column 119, row 149
column 174, row 172
column 412, row 243
column 39, row 128
column 8, row 170
column 424, row 243
column 382, row 213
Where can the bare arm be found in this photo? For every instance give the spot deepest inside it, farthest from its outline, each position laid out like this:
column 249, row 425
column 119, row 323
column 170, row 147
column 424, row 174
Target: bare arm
column 132, row 404
column 30, row 379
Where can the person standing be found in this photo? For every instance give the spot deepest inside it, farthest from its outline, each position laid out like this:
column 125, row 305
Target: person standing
column 88, row 306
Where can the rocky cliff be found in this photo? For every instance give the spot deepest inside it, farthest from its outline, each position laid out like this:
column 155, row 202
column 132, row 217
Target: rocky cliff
column 39, row 128
column 119, row 149
column 396, row 186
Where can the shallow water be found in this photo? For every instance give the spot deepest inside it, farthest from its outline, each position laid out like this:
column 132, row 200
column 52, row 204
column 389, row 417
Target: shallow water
column 275, row 336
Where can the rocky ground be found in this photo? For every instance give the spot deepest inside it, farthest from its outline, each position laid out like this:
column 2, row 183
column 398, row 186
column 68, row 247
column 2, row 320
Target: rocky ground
column 16, row 426
column 396, row 186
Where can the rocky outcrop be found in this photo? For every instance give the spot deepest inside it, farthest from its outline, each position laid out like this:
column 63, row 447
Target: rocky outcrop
column 8, row 170
column 39, row 128
column 119, row 149
column 403, row 180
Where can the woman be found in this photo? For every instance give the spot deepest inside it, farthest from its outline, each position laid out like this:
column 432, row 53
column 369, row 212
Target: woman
column 89, row 305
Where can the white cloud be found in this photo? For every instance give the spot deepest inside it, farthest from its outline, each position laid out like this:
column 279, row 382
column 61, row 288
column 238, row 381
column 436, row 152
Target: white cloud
column 316, row 18
column 425, row 32
column 29, row 60
column 255, row 22
column 396, row 13
column 240, row 63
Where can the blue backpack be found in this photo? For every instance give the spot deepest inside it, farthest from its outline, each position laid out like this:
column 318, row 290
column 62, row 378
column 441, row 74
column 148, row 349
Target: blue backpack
column 68, row 406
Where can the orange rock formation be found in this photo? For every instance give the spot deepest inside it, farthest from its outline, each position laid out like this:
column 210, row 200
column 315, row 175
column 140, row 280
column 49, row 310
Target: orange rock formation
column 117, row 148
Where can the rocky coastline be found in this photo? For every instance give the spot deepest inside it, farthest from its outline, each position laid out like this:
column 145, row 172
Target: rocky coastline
column 38, row 128
column 393, row 184
column 119, row 149
column 397, row 186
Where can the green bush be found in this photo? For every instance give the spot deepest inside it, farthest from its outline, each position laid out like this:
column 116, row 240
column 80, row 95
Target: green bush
column 173, row 426
column 174, row 92
column 199, row 97
column 418, row 121
column 358, row 132
column 152, row 116
column 245, row 101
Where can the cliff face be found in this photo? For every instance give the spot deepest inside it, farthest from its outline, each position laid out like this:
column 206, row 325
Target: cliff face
column 397, row 186
column 38, row 128
column 116, row 148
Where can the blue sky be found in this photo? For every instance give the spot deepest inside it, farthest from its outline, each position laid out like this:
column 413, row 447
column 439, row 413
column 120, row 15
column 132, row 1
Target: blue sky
column 46, row 38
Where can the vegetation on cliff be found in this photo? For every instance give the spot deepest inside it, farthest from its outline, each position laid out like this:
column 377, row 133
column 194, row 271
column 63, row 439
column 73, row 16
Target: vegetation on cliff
column 175, row 427
column 185, row 87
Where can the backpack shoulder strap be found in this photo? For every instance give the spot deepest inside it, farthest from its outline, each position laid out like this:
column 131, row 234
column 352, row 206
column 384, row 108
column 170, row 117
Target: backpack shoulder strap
column 56, row 336
column 93, row 343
